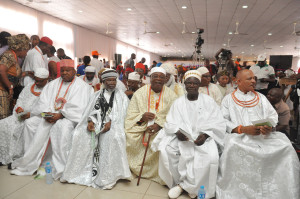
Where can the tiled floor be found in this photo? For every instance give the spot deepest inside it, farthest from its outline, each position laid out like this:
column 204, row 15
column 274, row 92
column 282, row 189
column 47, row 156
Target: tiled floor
column 25, row 187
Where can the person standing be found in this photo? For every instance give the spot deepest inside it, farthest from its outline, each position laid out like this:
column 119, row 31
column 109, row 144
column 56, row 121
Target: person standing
column 36, row 59
column 52, row 64
column 264, row 74
column 10, row 71
column 95, row 62
column 129, row 63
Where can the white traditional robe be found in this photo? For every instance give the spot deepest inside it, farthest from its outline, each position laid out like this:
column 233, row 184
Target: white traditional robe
column 113, row 164
column 213, row 91
column 34, row 59
column 91, row 83
column 183, row 162
column 256, row 167
column 38, row 133
column 11, row 131
column 176, row 87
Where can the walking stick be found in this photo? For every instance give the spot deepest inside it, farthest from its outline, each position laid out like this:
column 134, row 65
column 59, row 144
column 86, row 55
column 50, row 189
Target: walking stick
column 138, row 182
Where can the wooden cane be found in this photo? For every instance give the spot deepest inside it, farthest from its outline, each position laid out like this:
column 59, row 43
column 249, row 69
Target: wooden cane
column 288, row 94
column 138, row 182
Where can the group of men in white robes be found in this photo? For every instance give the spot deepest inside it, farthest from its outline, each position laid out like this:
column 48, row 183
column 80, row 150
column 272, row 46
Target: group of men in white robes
column 95, row 139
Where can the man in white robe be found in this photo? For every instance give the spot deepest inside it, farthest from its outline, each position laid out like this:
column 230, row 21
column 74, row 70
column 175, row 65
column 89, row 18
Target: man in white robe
column 257, row 162
column 64, row 100
column 209, row 88
column 11, row 131
column 190, row 161
column 90, row 76
column 170, row 79
column 37, row 58
column 98, row 156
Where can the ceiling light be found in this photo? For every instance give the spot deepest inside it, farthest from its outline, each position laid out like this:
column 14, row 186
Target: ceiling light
column 224, row 44
column 236, row 56
column 269, row 34
column 179, row 50
column 129, row 9
column 80, row 11
column 230, row 33
column 245, row 6
column 184, row 7
column 252, row 45
column 157, row 32
column 193, row 32
column 201, row 55
column 280, row 46
column 243, row 52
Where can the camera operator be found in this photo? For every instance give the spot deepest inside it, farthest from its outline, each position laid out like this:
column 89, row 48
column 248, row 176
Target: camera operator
column 264, row 74
column 225, row 61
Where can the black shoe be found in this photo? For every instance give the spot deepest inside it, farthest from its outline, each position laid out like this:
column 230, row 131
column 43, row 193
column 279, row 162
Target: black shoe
column 9, row 166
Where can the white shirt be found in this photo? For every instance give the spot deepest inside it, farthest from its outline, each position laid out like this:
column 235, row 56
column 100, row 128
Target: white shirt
column 33, row 60
column 53, row 58
column 260, row 73
column 97, row 64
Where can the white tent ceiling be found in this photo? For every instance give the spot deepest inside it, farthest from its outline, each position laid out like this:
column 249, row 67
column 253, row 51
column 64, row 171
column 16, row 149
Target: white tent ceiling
column 216, row 17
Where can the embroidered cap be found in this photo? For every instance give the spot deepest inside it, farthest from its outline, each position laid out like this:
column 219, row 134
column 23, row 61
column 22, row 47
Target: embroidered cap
column 134, row 76
column 107, row 73
column 66, row 63
column 157, row 70
column 41, row 73
column 90, row 69
column 192, row 73
column 202, row 70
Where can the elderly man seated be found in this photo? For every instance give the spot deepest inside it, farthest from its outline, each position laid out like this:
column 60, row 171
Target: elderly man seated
column 257, row 162
column 102, row 159
column 146, row 115
column 188, row 142
column 90, row 76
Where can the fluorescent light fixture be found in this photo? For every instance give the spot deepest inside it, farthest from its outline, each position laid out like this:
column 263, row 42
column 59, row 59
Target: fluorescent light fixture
column 230, row 33
column 243, row 52
column 157, row 32
column 252, row 45
column 129, row 9
column 269, row 33
column 184, row 7
column 280, row 46
column 224, row 44
column 193, row 32
column 80, row 11
column 245, row 6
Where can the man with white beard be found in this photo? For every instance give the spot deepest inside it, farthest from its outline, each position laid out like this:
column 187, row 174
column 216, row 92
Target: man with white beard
column 90, row 76
column 63, row 102
column 11, row 131
column 257, row 162
column 188, row 142
column 98, row 155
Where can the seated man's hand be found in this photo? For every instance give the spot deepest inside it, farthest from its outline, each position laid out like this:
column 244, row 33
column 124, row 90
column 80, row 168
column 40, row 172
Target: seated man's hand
column 181, row 136
column 265, row 130
column 106, row 127
column 56, row 116
column 26, row 116
column 148, row 116
column 201, row 139
column 91, row 126
column 152, row 129
column 251, row 130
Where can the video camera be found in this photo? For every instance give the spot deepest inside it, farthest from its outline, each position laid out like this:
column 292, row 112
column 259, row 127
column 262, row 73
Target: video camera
column 225, row 53
column 199, row 41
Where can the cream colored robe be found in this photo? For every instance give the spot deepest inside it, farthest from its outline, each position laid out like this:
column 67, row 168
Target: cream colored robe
column 134, row 132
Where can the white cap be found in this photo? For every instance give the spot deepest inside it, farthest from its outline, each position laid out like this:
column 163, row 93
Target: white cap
column 157, row 70
column 192, row 73
column 90, row 69
column 134, row 76
column 202, row 70
column 261, row 57
column 169, row 68
column 41, row 73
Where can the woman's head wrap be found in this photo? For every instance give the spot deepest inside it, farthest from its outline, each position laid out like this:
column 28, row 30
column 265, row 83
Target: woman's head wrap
column 18, row 42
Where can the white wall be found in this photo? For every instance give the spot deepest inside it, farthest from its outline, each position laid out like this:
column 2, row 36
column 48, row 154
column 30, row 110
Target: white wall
column 77, row 41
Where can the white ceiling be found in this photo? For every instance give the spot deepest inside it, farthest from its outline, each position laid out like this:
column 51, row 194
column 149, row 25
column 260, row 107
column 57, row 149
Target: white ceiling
column 216, row 17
